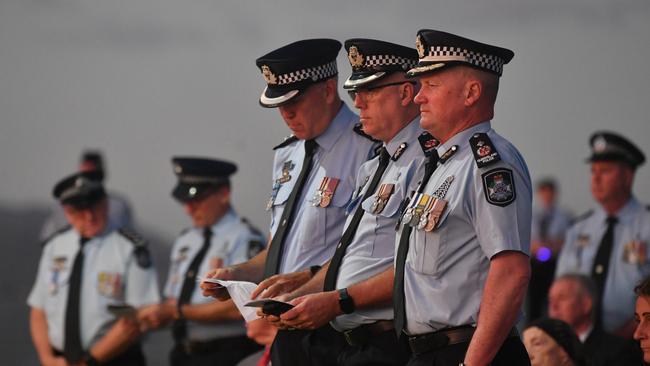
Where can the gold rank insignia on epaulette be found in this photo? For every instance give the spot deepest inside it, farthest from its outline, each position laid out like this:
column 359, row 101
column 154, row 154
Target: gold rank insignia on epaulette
column 427, row 143
column 359, row 130
column 287, row 141
column 483, row 149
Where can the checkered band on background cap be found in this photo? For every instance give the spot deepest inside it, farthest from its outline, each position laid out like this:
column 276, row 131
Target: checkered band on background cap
column 314, row 73
column 482, row 60
column 387, row 60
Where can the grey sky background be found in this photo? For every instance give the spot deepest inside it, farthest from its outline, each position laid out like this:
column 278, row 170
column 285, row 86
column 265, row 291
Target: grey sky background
column 144, row 80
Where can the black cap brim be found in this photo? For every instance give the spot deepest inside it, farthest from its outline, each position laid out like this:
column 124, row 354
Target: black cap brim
column 85, row 201
column 611, row 157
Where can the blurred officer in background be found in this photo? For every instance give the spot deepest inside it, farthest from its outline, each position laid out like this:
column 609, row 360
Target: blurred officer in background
column 119, row 210
column 314, row 174
column 550, row 223
column 461, row 278
column 206, row 331
column 610, row 244
column 83, row 272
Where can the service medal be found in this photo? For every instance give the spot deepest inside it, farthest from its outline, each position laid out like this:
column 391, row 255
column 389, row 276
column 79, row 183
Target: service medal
column 328, row 191
column 408, row 213
column 422, row 202
column 424, row 218
column 438, row 208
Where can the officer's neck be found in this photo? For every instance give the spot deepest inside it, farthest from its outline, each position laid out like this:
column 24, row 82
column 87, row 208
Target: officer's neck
column 614, row 205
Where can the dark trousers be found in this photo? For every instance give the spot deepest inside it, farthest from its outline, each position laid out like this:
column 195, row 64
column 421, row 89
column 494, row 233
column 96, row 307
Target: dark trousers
column 382, row 349
column 512, row 353
column 319, row 347
column 133, row 356
column 541, row 279
column 220, row 352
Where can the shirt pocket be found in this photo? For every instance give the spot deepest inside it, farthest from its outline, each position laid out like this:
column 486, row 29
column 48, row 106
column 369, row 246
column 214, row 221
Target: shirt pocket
column 322, row 225
column 428, row 247
column 382, row 236
column 279, row 204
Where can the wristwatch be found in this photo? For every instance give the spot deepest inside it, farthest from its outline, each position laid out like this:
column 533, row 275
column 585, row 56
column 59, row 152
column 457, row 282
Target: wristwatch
column 345, row 301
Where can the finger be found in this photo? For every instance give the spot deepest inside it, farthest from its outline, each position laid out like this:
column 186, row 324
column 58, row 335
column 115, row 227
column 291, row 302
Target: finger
column 259, row 289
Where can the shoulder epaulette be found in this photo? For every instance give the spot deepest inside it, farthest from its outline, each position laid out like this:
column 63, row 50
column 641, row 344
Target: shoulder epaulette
column 184, row 231
column 250, row 226
column 359, row 131
column 288, row 140
column 55, row 234
column 584, row 216
column 483, row 149
column 427, row 142
column 141, row 251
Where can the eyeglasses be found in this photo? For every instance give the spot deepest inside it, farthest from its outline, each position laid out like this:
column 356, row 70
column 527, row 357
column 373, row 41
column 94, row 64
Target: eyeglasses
column 369, row 93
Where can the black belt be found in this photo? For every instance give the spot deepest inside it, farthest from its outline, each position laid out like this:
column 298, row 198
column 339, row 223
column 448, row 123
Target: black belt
column 213, row 345
column 446, row 337
column 363, row 334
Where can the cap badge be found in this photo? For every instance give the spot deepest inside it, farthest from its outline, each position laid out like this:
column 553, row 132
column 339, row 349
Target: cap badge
column 419, row 46
column 269, row 76
column 355, row 57
column 600, row 144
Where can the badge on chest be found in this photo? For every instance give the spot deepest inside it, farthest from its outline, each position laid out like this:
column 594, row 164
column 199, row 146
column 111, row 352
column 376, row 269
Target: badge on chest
column 635, row 252
column 287, row 167
column 109, row 284
column 59, row 264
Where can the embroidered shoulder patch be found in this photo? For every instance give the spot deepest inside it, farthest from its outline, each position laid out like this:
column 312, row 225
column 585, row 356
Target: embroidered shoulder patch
column 483, row 149
column 499, row 187
column 427, row 143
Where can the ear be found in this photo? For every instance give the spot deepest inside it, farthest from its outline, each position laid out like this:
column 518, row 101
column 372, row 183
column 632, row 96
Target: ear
column 407, row 94
column 330, row 90
column 472, row 91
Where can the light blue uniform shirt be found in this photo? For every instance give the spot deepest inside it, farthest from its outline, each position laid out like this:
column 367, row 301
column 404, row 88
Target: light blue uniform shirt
column 628, row 264
column 315, row 232
column 559, row 223
column 446, row 268
column 111, row 276
column 372, row 250
column 233, row 241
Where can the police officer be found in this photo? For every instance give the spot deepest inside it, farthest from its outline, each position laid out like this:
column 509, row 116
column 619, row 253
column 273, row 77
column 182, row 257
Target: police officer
column 86, row 272
column 462, row 262
column 119, row 209
column 205, row 331
column 610, row 244
column 550, row 223
column 314, row 174
column 362, row 266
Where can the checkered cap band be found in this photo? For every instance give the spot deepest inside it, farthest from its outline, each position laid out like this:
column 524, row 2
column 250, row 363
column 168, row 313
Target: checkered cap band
column 387, row 60
column 482, row 60
column 315, row 73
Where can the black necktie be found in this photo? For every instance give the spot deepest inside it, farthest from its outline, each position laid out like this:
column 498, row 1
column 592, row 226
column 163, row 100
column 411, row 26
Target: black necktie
column 601, row 264
column 399, row 303
column 544, row 225
column 350, row 231
column 72, row 349
column 272, row 265
column 179, row 328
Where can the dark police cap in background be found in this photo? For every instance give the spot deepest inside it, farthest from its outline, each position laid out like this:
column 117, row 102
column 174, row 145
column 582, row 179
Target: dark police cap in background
column 372, row 59
column 438, row 50
column 289, row 70
column 609, row 146
column 198, row 176
column 81, row 190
